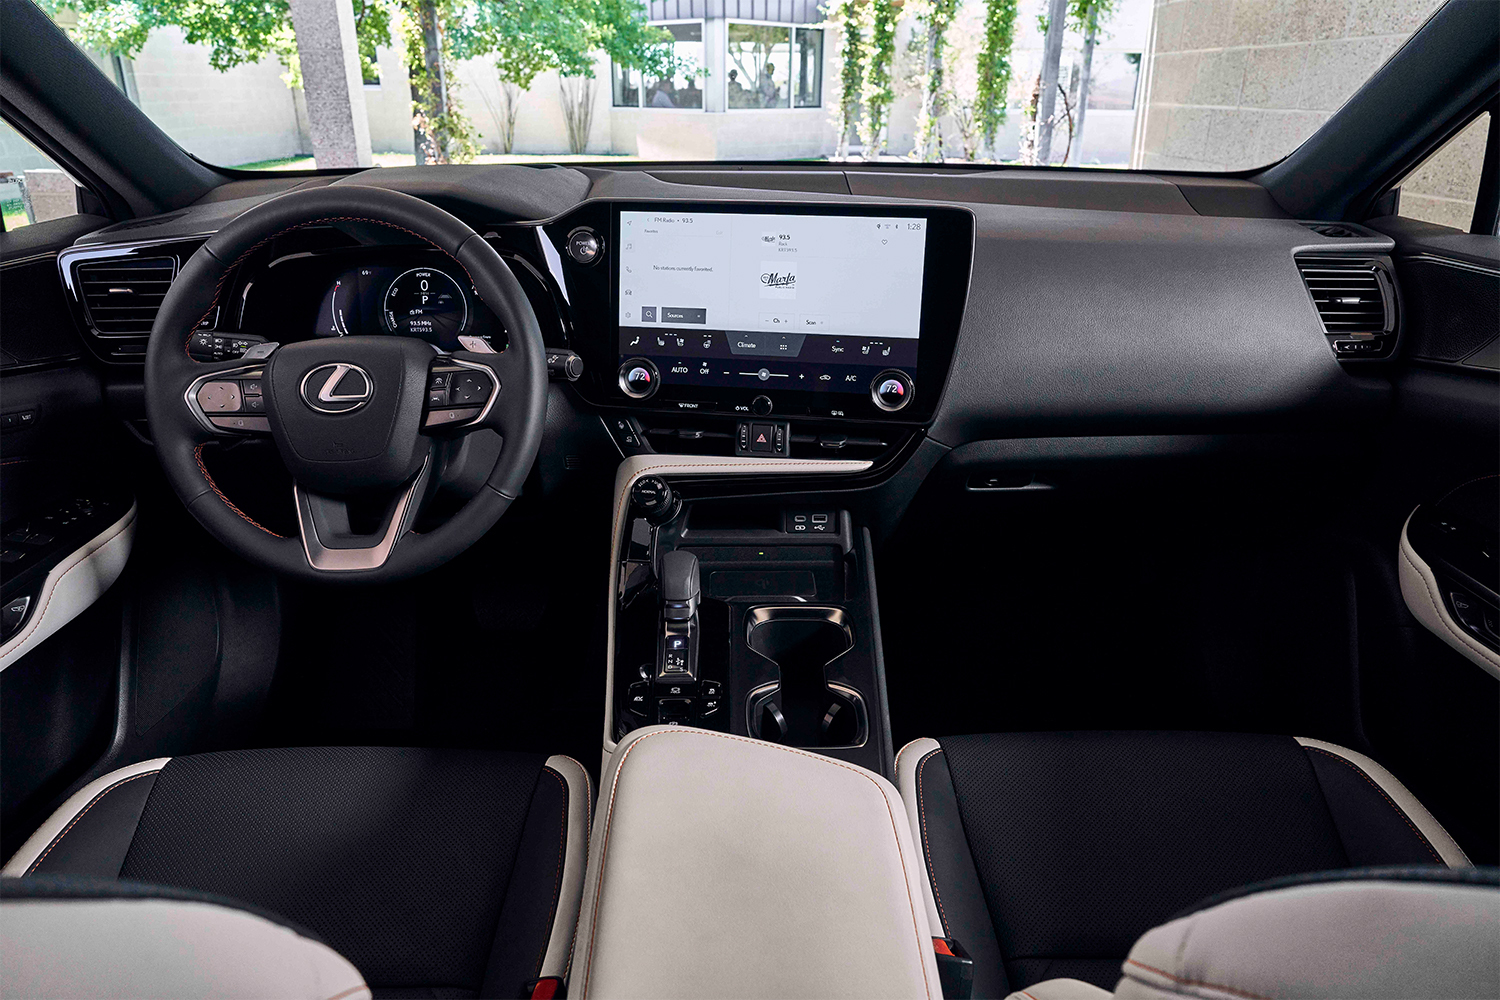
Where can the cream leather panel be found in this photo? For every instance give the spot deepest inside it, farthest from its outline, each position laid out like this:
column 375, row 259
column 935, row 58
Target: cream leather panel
column 1061, row 989
column 575, row 858
column 907, row 759
column 1453, row 855
column 722, row 866
column 1424, row 597
column 1367, row 939
column 72, row 585
column 77, row 804
column 129, row 948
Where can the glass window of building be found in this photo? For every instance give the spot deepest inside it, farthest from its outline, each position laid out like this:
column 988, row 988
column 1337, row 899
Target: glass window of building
column 809, row 64
column 626, row 86
column 684, row 89
column 757, row 71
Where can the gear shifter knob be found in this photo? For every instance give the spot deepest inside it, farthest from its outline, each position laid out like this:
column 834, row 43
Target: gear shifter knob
column 679, row 585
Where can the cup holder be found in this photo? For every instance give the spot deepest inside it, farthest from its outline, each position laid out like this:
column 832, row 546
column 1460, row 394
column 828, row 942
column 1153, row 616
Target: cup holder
column 803, row 709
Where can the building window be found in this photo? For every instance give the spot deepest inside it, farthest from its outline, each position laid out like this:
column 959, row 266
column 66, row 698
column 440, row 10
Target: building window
column 809, row 65
column 627, row 87
column 760, row 58
column 681, row 90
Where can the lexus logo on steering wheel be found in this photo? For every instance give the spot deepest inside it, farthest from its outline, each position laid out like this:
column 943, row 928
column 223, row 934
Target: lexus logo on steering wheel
column 337, row 388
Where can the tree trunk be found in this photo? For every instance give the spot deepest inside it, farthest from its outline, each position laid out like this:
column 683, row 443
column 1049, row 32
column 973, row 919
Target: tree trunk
column 1057, row 18
column 1090, row 37
column 432, row 100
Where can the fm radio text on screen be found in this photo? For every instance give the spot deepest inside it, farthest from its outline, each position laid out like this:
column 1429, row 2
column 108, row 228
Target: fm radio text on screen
column 798, row 274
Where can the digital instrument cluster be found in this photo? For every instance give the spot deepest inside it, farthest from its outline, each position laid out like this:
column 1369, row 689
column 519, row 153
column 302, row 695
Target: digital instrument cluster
column 424, row 302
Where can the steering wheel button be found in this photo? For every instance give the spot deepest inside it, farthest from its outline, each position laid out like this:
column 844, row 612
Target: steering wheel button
column 250, row 387
column 219, row 397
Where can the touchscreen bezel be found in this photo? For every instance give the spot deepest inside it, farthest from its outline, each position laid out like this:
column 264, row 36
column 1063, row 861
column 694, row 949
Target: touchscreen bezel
column 948, row 256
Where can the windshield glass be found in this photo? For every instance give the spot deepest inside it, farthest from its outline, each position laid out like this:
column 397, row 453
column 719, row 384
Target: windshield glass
column 1147, row 84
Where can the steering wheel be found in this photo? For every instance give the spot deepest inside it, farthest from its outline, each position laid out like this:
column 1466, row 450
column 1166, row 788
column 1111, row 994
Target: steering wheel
column 353, row 418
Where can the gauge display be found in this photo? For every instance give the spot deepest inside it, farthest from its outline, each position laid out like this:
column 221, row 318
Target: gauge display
column 426, row 303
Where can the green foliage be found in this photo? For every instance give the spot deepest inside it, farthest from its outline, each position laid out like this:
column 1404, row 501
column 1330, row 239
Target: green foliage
column 935, row 18
column 876, row 92
column 993, row 91
column 235, row 31
column 1084, row 15
column 528, row 37
column 845, row 14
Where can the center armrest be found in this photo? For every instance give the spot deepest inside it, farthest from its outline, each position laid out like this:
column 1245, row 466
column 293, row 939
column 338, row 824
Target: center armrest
column 726, row 867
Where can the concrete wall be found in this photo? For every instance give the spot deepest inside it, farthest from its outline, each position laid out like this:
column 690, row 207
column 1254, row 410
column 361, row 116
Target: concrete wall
column 1234, row 84
column 255, row 115
column 1443, row 189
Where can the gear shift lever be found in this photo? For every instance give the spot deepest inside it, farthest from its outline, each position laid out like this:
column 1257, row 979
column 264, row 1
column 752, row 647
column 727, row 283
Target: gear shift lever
column 677, row 661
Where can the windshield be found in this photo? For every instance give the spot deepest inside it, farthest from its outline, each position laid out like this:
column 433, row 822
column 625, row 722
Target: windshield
column 1148, row 84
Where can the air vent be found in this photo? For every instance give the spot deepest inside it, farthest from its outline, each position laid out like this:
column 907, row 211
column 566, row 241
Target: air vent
column 1356, row 302
column 1334, row 230
column 122, row 297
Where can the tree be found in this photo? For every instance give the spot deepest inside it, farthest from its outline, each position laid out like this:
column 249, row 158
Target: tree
column 525, row 38
column 1086, row 17
column 993, row 91
column 1057, row 24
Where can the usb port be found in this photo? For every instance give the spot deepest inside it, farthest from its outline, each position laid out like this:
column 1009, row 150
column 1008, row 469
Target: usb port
column 820, row 519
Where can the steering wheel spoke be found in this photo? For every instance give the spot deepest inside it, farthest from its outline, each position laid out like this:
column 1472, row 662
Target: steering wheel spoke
column 330, row 540
column 227, row 398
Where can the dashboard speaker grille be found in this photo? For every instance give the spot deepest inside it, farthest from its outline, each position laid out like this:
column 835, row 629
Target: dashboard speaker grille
column 122, row 297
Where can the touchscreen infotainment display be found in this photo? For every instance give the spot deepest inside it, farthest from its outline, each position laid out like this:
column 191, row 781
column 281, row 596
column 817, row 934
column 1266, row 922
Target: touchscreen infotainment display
column 775, row 301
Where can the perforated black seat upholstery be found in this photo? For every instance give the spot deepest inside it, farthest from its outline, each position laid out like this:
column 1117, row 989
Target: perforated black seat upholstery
column 1048, row 854
column 435, row 872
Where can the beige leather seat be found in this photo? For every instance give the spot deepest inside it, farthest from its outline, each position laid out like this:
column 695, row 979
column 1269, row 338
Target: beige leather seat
column 1375, row 934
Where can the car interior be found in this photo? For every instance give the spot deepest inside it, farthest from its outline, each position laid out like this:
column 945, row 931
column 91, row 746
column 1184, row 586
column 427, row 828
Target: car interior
column 505, row 580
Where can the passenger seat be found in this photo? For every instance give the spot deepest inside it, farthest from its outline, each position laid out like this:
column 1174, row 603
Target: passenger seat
column 1048, row 854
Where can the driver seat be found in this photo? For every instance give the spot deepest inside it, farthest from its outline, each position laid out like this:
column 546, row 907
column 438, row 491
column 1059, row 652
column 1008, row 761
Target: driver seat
column 436, row 873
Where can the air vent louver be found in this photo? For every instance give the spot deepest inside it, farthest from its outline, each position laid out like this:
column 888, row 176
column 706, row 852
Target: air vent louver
column 122, row 297
column 1356, row 301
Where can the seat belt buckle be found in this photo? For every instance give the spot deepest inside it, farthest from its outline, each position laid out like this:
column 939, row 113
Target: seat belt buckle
column 548, row 988
column 955, row 969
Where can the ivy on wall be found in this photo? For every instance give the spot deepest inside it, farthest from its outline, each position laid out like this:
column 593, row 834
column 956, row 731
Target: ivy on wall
column 846, row 15
column 877, row 92
column 935, row 18
column 995, row 68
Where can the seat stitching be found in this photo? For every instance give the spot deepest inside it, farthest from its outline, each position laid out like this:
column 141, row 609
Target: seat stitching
column 926, row 846
column 92, row 802
column 1389, row 801
column 1471, row 482
column 588, row 792
column 609, row 818
column 198, row 456
column 1197, row 982
column 1442, row 613
column 19, row 639
column 562, row 853
column 349, row 992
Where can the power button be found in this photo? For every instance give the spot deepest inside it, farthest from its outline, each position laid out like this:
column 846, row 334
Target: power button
column 584, row 245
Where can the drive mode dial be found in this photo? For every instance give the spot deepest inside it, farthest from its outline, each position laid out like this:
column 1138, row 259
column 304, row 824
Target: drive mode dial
column 639, row 378
column 892, row 389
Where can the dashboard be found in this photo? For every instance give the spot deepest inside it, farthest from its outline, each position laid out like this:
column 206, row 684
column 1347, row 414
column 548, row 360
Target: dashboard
column 683, row 304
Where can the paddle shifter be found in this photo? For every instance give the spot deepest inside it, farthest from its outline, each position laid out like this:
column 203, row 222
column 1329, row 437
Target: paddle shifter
column 677, row 661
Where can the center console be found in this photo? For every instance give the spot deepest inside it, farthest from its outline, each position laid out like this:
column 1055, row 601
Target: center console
column 748, row 616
